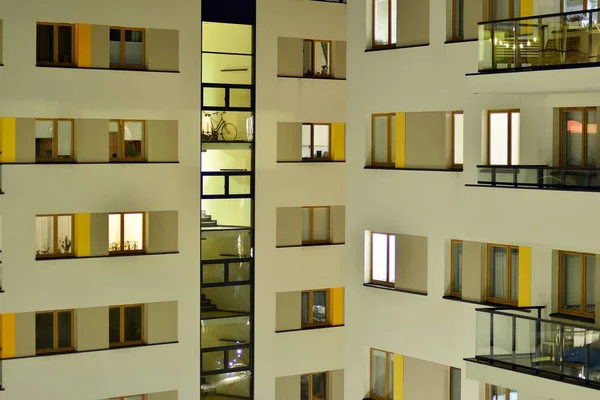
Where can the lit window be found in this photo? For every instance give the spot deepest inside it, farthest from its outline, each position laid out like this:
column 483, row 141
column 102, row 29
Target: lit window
column 578, row 137
column 456, row 252
column 383, row 258
column 314, row 386
column 577, row 284
column 503, row 137
column 457, row 139
column 316, row 141
column 126, row 325
column 126, row 232
column 126, row 48
column 315, row 225
column 126, row 140
column 383, row 139
column 314, row 308
column 54, row 140
column 503, row 274
column 54, row 45
column 382, row 375
column 316, row 58
column 53, row 331
column 384, row 23
column 53, row 236
column 494, row 392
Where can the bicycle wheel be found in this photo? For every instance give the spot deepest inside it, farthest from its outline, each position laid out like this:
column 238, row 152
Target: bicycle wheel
column 228, row 132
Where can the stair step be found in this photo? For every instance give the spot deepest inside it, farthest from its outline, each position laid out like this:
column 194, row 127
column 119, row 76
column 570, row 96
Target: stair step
column 209, row 307
column 209, row 223
column 202, row 296
column 205, row 302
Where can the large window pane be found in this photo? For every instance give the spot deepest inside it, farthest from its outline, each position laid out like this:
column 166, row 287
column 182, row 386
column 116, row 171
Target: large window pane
column 44, row 331
column 114, row 232
column 45, row 43
column 65, row 338
column 381, row 21
column 591, row 134
column 455, row 382
column 498, row 138
column 65, row 139
column 380, row 140
column 65, row 234
column 320, row 224
column 306, row 308
column 378, row 373
column 133, row 139
column 570, row 290
column 321, row 141
column 380, row 257
column 498, row 286
column 115, row 47
column 456, row 267
column 44, row 136
column 65, row 44
column 319, row 306
column 305, row 387
column 458, row 22
column 572, row 133
column 319, row 386
column 392, row 257
column 133, row 231
column 306, row 224
column 114, row 324
column 306, row 140
column 514, row 274
column 307, row 67
column 590, row 284
column 322, row 57
column 134, row 48
column 133, row 324
column 458, row 124
column 44, row 236
column 392, row 137
column 515, row 137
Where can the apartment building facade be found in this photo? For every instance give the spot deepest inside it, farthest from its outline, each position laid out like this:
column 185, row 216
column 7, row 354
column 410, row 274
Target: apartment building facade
column 99, row 207
column 471, row 165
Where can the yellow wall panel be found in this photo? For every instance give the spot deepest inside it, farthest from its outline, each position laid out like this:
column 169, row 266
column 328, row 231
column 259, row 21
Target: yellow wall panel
column 398, row 377
column 400, row 140
column 82, row 235
column 83, row 35
column 9, row 139
column 8, row 335
column 524, row 276
column 526, row 8
column 338, row 142
column 337, row 306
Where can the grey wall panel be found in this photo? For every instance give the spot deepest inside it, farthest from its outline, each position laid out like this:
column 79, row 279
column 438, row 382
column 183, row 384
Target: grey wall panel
column 287, row 388
column 289, row 226
column 25, row 140
column 289, row 141
column 162, row 141
column 91, row 140
column 413, row 23
column 24, row 334
column 411, row 263
column 100, row 46
column 91, row 328
column 99, row 234
column 289, row 56
column 161, row 322
column 288, row 311
column 338, row 224
column 170, row 395
column 162, row 232
column 162, row 49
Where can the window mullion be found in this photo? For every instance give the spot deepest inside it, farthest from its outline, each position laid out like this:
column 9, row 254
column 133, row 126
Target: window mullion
column 582, row 306
column 122, row 231
column 122, row 323
column 509, row 147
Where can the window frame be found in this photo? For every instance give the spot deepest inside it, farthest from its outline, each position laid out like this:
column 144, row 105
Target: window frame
column 582, row 289
column 511, row 10
column 508, row 111
column 55, row 348
column 453, row 267
column 489, row 387
column 390, row 44
column 389, row 162
column 122, row 238
column 121, row 138
column 584, row 135
column 583, row 5
column 314, row 56
column 55, row 243
column 312, row 141
column 454, row 165
column 55, row 50
column 454, row 33
column 311, row 223
column 389, row 250
column 488, row 297
column 122, row 342
column 122, row 65
column 55, row 157
column 388, row 355
column 310, row 385
column 311, row 302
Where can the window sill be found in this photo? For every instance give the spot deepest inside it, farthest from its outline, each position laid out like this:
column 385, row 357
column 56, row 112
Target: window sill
column 105, row 69
column 311, row 161
column 310, row 245
column 328, row 78
column 412, row 169
column 107, row 256
column 312, row 328
column 71, row 162
column 453, row 41
column 574, row 318
column 412, row 46
column 533, row 69
column 481, row 303
column 553, row 189
column 393, row 289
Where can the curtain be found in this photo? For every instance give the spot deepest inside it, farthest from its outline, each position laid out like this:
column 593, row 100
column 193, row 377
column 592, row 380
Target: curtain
column 498, row 265
column 133, row 231
column 65, row 238
column 44, row 235
column 114, row 232
column 379, row 257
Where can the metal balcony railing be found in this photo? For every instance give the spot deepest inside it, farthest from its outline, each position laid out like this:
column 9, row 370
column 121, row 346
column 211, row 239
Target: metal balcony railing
column 539, row 177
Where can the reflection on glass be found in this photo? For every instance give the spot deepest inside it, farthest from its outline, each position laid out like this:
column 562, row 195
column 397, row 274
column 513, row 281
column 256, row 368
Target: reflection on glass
column 319, row 307
column 498, row 264
column 378, row 373
column 456, row 267
column 380, row 139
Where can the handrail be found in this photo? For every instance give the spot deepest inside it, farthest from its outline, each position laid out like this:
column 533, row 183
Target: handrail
column 539, row 16
column 548, row 321
column 534, row 166
column 545, row 177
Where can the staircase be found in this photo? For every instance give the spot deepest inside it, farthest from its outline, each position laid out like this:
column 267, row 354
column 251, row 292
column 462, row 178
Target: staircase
column 206, row 305
column 206, row 220
column 206, row 392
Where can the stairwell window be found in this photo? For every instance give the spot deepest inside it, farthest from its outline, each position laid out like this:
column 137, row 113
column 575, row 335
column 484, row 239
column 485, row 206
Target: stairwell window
column 314, row 386
column 54, row 236
column 382, row 375
column 383, row 139
column 126, row 325
column 315, row 225
column 383, row 258
column 54, row 331
column 54, row 44
column 127, row 48
column 503, row 274
column 503, row 137
column 54, row 140
column 315, row 305
column 578, row 131
column 127, row 139
column 456, row 253
column 493, row 392
column 457, row 139
column 577, row 284
column 316, row 141
column 316, row 58
column 126, row 233
column 384, row 24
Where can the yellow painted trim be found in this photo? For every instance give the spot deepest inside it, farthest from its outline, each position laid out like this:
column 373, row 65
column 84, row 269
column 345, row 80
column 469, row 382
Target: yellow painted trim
column 398, row 377
column 83, row 42
column 526, row 8
column 9, row 140
column 337, row 306
column 82, row 235
column 400, row 140
column 338, row 142
column 9, row 349
column 524, row 276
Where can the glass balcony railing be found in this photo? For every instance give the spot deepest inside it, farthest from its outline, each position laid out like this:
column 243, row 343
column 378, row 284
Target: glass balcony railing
column 545, row 41
column 234, row 184
column 539, row 176
column 509, row 338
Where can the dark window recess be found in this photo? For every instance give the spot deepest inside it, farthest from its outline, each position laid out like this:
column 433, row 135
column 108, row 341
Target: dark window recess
column 45, row 43
column 65, row 45
column 115, row 35
column 64, row 329
column 44, row 331
column 114, row 322
column 133, row 324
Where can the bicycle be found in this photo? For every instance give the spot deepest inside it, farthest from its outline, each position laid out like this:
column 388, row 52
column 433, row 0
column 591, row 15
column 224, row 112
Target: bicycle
column 226, row 130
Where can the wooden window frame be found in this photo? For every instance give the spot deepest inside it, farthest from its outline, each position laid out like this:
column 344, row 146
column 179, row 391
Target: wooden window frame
column 388, row 356
column 57, row 254
column 453, row 267
column 311, row 224
column 562, row 5
column 508, row 111
column 506, row 391
column 389, row 162
column 55, row 55
column 312, row 142
column 122, row 250
column 122, row 342
column 489, row 298
column 311, row 302
column 511, row 9
column 454, row 165
column 55, row 348
column 55, row 157
column 314, row 55
column 389, row 251
column 143, row 397
column 455, row 35
column 389, row 44
column 310, row 385
column 122, row 65
column 584, row 135
column 121, row 136
column 582, row 289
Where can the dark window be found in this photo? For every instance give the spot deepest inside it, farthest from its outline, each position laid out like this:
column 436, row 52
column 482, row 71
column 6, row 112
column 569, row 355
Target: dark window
column 45, row 43
column 126, row 325
column 54, row 331
column 44, row 331
column 54, row 44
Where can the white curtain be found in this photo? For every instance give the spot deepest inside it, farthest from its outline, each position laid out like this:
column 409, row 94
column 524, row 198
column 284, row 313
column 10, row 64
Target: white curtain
column 498, row 266
column 65, row 239
column 114, row 232
column 44, row 235
column 134, row 231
